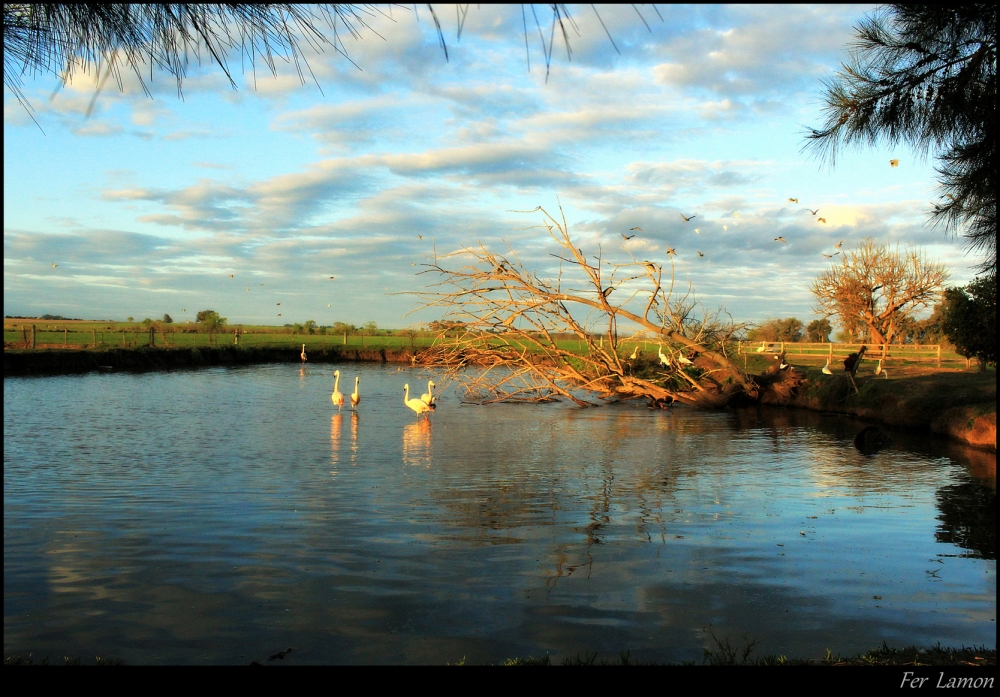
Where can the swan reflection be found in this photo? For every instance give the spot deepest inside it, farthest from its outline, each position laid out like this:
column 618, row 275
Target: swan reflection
column 335, row 424
column 354, row 437
column 417, row 443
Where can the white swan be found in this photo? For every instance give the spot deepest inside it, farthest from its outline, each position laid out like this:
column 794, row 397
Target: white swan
column 826, row 368
column 337, row 397
column 417, row 405
column 428, row 397
column 356, row 395
column 303, row 354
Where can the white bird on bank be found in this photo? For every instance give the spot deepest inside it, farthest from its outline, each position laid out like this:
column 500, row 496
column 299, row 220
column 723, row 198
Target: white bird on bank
column 684, row 360
column 880, row 371
column 826, row 368
column 337, row 397
column 428, row 396
column 303, row 354
column 663, row 359
column 763, row 347
column 635, row 354
column 416, row 405
column 356, row 395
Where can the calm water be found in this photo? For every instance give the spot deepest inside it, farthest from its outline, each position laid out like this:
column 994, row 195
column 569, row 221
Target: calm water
column 222, row 515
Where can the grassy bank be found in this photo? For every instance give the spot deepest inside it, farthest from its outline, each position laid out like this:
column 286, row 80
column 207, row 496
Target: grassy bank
column 27, row 362
column 957, row 404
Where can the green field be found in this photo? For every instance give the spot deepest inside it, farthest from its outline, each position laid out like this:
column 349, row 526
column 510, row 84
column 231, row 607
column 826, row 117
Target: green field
column 98, row 334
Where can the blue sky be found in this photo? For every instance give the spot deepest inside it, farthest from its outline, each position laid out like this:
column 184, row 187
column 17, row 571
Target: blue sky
column 150, row 204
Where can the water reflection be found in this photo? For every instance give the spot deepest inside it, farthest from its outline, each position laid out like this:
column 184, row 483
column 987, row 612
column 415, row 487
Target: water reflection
column 336, row 421
column 968, row 515
column 354, row 438
column 417, row 443
column 537, row 529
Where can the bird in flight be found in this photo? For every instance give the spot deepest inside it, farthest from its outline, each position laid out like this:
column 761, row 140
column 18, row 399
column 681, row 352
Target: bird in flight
column 262, row 284
column 54, row 265
column 279, row 303
column 814, row 212
column 332, row 277
column 822, row 220
column 637, row 228
column 670, row 250
column 688, row 219
column 839, row 245
column 248, row 290
column 828, row 256
column 279, row 314
column 793, row 200
column 781, row 239
column 230, row 275
column 701, row 254
column 328, row 304
column 697, row 231
column 420, row 237
column 894, row 163
column 736, row 214
column 627, row 237
column 725, row 227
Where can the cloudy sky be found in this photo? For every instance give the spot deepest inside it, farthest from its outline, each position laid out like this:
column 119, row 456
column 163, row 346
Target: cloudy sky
column 150, row 204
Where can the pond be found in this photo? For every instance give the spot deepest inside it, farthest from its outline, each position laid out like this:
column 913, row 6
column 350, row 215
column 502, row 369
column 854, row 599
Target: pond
column 223, row 515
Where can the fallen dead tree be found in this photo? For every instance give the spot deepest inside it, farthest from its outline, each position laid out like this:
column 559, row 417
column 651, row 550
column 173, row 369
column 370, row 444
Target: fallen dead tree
column 588, row 330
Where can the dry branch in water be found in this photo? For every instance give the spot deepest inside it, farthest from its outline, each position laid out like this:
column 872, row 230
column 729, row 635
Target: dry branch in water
column 526, row 335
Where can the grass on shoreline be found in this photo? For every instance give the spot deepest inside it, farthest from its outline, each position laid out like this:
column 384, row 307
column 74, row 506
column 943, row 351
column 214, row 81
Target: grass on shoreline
column 727, row 654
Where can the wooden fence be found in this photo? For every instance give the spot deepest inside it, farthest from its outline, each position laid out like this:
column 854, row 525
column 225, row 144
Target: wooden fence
column 837, row 352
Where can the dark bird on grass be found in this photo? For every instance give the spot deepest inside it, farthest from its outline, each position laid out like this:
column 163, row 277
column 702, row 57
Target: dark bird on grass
column 660, row 402
column 822, row 220
column 781, row 239
column 280, row 655
column 793, row 200
column 627, row 237
column 688, row 219
column 894, row 163
column 814, row 212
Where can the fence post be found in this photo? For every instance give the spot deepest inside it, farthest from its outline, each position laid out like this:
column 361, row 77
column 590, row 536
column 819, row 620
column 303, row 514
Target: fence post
column 345, row 338
column 124, row 342
column 831, row 352
column 152, row 336
column 94, row 332
column 65, row 336
column 32, row 336
column 739, row 348
column 939, row 355
column 24, row 335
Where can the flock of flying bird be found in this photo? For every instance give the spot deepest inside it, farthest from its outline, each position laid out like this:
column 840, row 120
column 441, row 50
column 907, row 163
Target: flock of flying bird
column 424, row 405
column 689, row 218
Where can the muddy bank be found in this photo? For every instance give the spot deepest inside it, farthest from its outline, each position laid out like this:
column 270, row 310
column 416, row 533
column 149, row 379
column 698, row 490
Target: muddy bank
column 959, row 406
column 81, row 361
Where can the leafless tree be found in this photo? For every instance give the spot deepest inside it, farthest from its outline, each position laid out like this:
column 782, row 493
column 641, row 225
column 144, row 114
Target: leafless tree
column 876, row 288
column 583, row 332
